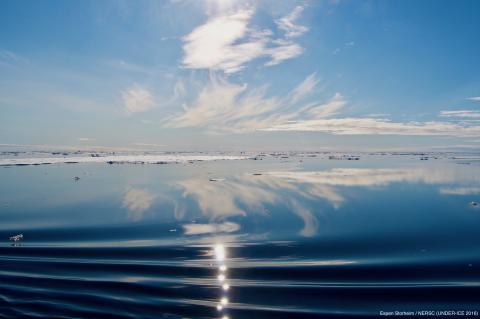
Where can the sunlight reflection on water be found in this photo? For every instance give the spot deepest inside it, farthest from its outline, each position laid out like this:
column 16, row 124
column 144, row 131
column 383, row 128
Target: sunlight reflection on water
column 220, row 256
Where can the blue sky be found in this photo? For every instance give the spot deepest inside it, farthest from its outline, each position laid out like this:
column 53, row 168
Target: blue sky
column 225, row 74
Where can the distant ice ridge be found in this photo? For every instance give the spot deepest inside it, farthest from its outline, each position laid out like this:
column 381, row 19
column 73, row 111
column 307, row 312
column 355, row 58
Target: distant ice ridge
column 119, row 159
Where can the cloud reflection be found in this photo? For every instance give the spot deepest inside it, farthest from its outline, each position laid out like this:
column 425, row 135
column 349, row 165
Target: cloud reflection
column 460, row 190
column 223, row 202
column 373, row 177
column 197, row 229
column 137, row 201
column 248, row 194
column 220, row 199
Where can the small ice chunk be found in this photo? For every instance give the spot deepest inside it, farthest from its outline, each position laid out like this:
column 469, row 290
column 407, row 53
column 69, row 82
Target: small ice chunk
column 16, row 237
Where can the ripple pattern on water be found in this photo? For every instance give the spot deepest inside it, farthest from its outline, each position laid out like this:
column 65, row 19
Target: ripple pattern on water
column 187, row 282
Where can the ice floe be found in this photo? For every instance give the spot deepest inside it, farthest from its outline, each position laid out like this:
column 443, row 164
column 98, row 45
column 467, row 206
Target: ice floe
column 118, row 159
column 16, row 238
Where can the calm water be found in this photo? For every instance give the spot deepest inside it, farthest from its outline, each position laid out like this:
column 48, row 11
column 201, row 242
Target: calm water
column 300, row 237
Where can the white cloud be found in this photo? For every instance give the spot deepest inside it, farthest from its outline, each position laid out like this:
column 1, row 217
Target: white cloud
column 213, row 45
column 222, row 106
column 287, row 23
column 283, row 52
column 226, row 107
column 475, row 98
column 178, row 90
column 227, row 42
column 137, row 99
column 219, row 7
column 324, row 110
column 85, row 139
column 372, row 126
column 304, row 88
column 461, row 113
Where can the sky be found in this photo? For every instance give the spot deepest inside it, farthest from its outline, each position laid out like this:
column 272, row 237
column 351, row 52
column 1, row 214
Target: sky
column 241, row 75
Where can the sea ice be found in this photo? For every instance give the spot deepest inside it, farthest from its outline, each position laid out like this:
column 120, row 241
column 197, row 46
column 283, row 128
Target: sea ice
column 119, row 159
column 17, row 237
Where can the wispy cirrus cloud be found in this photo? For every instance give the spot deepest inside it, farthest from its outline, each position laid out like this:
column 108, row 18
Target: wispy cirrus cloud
column 474, row 98
column 137, row 99
column 223, row 106
column 372, row 126
column 304, row 88
column 461, row 113
column 9, row 58
column 289, row 26
column 286, row 50
column 227, row 41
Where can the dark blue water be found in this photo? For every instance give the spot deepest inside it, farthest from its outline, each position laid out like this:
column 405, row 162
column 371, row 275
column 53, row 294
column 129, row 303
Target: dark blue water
column 296, row 237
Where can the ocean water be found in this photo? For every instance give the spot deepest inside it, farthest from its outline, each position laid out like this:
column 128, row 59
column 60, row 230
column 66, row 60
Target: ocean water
column 291, row 236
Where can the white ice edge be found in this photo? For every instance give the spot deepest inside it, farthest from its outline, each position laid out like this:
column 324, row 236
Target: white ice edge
column 119, row 159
